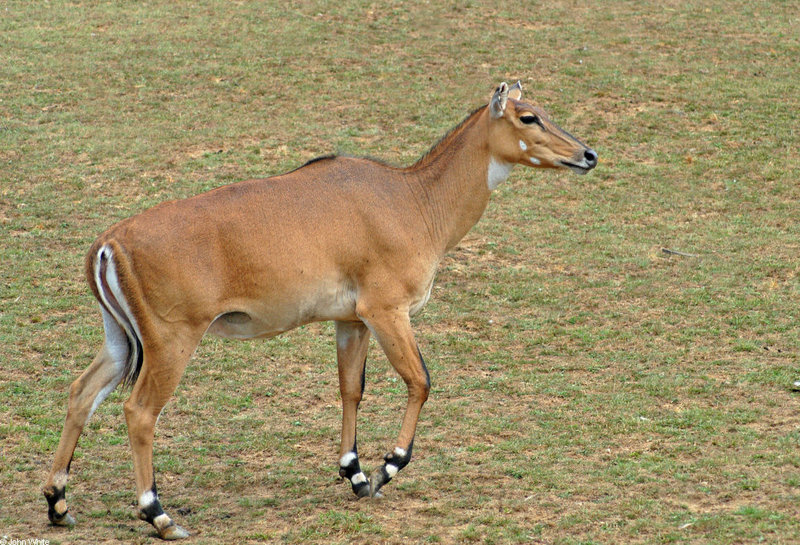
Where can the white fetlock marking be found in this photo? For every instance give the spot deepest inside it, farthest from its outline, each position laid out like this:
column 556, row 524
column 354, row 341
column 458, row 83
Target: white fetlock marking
column 162, row 521
column 347, row 459
column 60, row 507
column 146, row 499
column 60, row 479
column 400, row 452
column 391, row 470
column 358, row 478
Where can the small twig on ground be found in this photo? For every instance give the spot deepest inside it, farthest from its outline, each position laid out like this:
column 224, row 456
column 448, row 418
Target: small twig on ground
column 675, row 252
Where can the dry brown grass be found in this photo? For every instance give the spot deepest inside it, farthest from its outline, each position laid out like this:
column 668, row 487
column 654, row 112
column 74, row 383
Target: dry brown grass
column 588, row 388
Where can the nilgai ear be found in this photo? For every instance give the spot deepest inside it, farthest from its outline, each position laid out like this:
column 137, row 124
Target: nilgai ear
column 515, row 91
column 498, row 104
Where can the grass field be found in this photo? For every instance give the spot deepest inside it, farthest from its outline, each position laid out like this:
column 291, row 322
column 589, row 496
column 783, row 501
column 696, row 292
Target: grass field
column 588, row 387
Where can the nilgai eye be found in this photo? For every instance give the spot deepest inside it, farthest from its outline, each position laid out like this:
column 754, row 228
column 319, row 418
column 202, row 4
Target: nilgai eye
column 530, row 120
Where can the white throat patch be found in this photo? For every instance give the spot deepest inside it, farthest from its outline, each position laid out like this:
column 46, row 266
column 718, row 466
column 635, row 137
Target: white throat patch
column 498, row 172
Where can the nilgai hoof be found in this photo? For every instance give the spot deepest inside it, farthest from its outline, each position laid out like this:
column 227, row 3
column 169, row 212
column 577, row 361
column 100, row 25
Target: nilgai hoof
column 173, row 532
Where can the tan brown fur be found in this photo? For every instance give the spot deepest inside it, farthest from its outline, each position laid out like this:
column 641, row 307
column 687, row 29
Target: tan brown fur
column 341, row 238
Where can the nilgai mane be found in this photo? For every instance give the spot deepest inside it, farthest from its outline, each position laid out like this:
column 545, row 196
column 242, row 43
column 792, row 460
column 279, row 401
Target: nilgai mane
column 341, row 238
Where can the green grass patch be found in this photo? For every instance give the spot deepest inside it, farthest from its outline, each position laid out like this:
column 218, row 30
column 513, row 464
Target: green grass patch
column 587, row 386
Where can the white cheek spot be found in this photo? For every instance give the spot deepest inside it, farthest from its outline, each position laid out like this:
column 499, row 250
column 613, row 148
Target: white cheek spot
column 522, row 145
column 347, row 459
column 146, row 499
column 391, row 470
column 498, row 172
column 400, row 452
column 358, row 478
column 534, row 161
